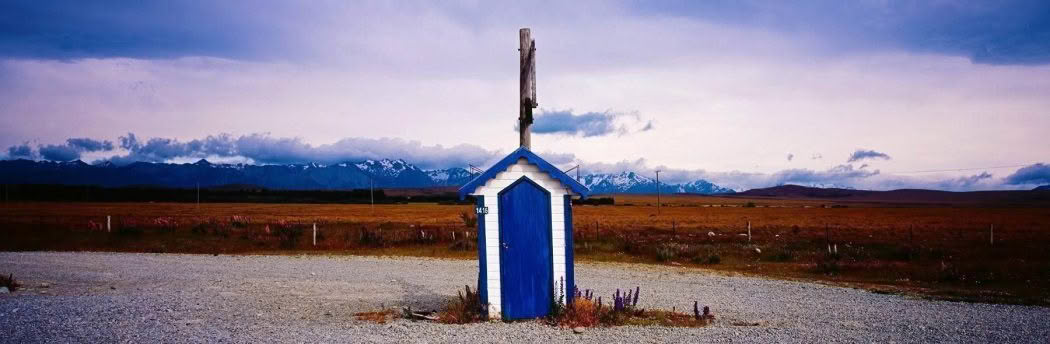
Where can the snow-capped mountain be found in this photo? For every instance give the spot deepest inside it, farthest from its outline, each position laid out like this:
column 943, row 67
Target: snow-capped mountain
column 395, row 173
column 630, row 182
column 385, row 173
column 450, row 176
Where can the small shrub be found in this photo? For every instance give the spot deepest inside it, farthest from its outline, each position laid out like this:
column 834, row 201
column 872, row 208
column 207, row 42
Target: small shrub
column 128, row 231
column 470, row 220
column 709, row 258
column 238, row 221
column 665, row 253
column 288, row 235
column 580, row 313
column 783, row 256
column 749, row 205
column 829, row 266
column 9, row 282
column 371, row 238
column 948, row 272
column 464, row 245
column 467, row 308
column 200, row 228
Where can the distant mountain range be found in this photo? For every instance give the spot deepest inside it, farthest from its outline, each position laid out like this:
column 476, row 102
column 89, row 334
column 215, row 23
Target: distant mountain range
column 1019, row 197
column 385, row 173
column 630, row 182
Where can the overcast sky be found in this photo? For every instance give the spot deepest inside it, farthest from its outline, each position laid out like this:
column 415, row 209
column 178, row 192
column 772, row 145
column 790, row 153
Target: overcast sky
column 868, row 94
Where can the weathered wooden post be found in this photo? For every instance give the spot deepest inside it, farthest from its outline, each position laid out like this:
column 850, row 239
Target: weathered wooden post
column 527, row 86
column 991, row 234
column 749, row 231
column 315, row 233
column 108, row 224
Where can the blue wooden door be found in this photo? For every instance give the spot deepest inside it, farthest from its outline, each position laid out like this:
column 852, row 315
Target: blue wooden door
column 526, row 260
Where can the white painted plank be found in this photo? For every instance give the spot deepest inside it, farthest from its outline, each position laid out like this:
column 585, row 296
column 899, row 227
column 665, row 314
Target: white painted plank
column 523, row 168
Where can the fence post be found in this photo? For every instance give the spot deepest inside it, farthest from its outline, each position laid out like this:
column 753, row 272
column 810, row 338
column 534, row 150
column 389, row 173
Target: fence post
column 749, row 231
column 991, row 234
column 315, row 233
column 108, row 224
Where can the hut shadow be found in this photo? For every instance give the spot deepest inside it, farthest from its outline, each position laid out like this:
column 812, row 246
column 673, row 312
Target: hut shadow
column 419, row 297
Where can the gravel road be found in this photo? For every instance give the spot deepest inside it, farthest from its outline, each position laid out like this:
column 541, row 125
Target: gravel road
column 116, row 297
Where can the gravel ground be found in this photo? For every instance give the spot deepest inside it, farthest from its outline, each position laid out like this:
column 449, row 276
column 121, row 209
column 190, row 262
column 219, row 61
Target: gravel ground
column 116, row 297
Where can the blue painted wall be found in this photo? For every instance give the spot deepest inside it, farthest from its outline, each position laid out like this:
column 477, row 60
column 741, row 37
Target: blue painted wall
column 526, row 257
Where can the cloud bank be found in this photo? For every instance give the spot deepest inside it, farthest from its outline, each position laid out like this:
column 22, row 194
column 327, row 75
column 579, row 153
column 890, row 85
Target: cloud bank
column 1037, row 174
column 262, row 148
column 68, row 151
column 840, row 176
column 588, row 124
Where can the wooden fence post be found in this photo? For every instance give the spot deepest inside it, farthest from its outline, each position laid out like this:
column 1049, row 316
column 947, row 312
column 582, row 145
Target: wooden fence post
column 108, row 224
column 315, row 233
column 749, row 231
column 991, row 234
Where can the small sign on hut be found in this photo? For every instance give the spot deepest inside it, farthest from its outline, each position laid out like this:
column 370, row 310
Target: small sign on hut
column 524, row 209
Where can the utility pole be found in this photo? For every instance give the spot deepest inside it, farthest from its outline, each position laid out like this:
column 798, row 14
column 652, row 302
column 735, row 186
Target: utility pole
column 527, row 86
column 371, row 193
column 657, row 192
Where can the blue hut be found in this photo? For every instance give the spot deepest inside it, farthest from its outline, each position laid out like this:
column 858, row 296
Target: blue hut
column 524, row 207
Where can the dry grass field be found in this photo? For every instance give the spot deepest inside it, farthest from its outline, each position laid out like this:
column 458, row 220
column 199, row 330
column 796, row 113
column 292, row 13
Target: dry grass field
column 943, row 251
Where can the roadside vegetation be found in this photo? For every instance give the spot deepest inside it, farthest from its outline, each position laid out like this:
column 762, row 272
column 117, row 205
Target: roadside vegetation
column 583, row 310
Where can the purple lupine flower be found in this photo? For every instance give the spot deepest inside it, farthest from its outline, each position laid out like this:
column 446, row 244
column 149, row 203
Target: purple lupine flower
column 627, row 298
column 696, row 310
column 707, row 312
column 637, row 290
column 599, row 303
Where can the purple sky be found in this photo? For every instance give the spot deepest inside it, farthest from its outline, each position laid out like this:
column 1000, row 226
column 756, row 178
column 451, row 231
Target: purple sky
column 873, row 94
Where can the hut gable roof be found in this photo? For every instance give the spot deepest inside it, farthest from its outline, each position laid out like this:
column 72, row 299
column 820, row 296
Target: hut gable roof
column 532, row 158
